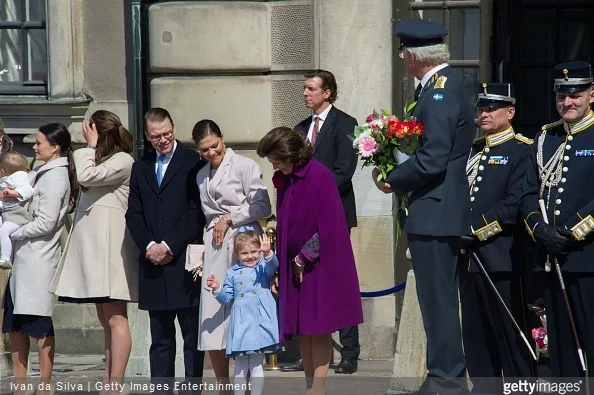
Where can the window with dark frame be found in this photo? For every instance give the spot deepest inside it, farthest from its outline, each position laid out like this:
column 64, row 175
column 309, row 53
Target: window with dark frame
column 23, row 47
column 469, row 26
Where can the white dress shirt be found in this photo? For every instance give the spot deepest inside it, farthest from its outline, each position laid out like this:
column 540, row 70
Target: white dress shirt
column 322, row 117
column 430, row 73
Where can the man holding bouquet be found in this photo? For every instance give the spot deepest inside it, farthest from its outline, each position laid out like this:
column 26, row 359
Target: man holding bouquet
column 496, row 168
column 439, row 207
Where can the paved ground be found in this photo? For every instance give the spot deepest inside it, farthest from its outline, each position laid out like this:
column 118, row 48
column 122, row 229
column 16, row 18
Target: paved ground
column 373, row 377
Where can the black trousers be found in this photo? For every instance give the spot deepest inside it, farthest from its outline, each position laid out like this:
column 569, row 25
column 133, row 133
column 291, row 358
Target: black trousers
column 435, row 264
column 492, row 345
column 563, row 359
column 162, row 350
column 349, row 339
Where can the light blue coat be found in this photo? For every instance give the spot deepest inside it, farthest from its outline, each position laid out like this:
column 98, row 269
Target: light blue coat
column 254, row 323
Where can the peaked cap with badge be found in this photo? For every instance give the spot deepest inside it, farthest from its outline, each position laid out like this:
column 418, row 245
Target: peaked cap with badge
column 414, row 33
column 496, row 95
column 496, row 168
column 572, row 77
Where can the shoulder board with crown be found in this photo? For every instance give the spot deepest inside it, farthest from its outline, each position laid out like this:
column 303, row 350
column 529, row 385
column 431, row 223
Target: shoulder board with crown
column 523, row 139
column 552, row 125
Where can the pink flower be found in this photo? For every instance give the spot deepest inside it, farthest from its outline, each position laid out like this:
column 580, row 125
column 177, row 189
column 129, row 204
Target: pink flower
column 369, row 118
column 367, row 147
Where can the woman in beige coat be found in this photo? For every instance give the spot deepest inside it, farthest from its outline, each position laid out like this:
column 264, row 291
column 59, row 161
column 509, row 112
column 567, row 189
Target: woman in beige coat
column 28, row 305
column 233, row 195
column 99, row 264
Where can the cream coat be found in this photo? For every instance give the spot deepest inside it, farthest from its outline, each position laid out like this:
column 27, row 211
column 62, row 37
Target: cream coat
column 37, row 244
column 100, row 258
column 236, row 188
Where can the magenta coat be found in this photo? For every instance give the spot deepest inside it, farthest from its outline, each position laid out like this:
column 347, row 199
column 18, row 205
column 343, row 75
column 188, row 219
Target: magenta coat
column 329, row 297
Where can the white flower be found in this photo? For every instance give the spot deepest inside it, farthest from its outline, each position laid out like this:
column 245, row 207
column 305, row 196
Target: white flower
column 365, row 133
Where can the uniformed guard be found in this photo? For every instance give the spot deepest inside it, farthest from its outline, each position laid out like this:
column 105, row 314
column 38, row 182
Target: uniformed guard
column 439, row 210
column 561, row 175
column 496, row 167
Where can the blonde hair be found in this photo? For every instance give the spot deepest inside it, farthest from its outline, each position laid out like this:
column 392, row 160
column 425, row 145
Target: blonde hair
column 245, row 239
column 12, row 162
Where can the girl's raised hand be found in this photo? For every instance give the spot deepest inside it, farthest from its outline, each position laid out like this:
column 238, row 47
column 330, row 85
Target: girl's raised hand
column 265, row 244
column 212, row 282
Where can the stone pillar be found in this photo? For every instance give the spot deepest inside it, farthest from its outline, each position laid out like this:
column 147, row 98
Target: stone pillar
column 355, row 44
column 138, row 364
column 410, row 362
column 60, row 36
column 6, row 369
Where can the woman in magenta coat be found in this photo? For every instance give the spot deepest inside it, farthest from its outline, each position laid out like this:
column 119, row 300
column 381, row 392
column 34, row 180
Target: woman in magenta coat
column 318, row 284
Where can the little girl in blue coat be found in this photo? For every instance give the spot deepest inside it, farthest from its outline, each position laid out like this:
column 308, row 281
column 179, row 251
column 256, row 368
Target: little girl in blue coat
column 253, row 326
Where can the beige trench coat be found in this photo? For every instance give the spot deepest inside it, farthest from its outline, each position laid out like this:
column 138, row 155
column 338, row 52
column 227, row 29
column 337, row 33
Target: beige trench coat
column 236, row 188
column 100, row 258
column 37, row 247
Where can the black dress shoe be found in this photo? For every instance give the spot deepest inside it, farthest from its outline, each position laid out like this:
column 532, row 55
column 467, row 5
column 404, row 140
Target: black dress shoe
column 294, row 367
column 346, row 366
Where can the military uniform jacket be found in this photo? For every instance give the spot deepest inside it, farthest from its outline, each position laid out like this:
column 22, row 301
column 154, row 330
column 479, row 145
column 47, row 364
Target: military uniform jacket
column 570, row 202
column 496, row 170
column 439, row 204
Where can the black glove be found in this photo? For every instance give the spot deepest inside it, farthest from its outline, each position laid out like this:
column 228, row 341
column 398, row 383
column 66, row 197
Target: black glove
column 555, row 242
column 467, row 242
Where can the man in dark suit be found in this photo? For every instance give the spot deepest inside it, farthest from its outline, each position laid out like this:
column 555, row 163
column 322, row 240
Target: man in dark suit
column 496, row 168
column 439, row 207
column 163, row 217
column 331, row 132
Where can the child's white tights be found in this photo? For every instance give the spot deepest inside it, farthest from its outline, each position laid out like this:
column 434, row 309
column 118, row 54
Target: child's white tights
column 249, row 363
column 6, row 230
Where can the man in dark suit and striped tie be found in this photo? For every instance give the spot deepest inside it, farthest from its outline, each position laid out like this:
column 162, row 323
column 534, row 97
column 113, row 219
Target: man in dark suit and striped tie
column 331, row 133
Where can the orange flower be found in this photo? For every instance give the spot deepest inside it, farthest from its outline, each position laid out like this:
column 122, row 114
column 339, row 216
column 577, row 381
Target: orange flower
column 417, row 128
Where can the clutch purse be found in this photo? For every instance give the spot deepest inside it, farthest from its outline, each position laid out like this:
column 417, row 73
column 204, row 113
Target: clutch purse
column 195, row 259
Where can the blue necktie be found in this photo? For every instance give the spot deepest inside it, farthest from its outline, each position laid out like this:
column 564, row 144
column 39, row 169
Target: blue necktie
column 160, row 161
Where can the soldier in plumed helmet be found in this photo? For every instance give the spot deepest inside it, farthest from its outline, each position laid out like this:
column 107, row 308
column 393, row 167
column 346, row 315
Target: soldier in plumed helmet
column 496, row 168
column 561, row 176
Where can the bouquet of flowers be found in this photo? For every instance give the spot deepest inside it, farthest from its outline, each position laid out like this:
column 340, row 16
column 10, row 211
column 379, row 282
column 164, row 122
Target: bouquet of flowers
column 384, row 141
column 542, row 341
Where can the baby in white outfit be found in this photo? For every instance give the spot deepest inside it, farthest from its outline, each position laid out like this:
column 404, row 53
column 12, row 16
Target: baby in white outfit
column 14, row 182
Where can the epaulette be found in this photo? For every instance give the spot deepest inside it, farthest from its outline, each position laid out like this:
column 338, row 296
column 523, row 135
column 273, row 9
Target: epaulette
column 441, row 81
column 479, row 140
column 523, row 139
column 552, row 125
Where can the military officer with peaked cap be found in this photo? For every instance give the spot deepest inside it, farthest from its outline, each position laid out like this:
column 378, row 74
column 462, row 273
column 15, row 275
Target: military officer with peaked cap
column 496, row 168
column 439, row 209
column 561, row 174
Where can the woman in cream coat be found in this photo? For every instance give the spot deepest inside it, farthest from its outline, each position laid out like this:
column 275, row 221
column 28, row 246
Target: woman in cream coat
column 233, row 195
column 27, row 302
column 99, row 264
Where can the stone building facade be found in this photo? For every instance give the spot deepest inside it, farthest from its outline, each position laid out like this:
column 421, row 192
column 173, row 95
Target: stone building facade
column 241, row 63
